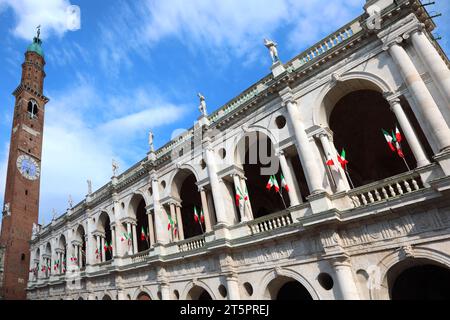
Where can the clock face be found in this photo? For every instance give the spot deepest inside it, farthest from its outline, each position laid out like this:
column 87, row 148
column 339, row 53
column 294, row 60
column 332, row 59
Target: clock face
column 28, row 167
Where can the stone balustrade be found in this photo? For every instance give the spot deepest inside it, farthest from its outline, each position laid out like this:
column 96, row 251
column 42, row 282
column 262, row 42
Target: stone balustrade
column 191, row 244
column 386, row 189
column 271, row 222
column 141, row 256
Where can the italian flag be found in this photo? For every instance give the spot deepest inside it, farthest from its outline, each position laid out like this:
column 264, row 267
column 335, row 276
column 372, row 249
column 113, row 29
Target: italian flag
column 342, row 160
column 397, row 143
column 96, row 253
column 202, row 216
column 238, row 196
column 171, row 224
column 398, row 135
column 284, row 183
column 246, row 194
column 143, row 236
column 273, row 183
column 389, row 139
column 105, row 247
column 195, row 214
column 330, row 162
column 125, row 237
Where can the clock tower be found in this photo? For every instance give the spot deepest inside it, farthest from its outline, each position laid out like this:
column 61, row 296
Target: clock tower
column 21, row 203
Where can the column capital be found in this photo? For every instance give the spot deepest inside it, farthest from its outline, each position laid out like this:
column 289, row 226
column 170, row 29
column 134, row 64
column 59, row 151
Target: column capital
column 342, row 260
column 397, row 32
column 287, row 96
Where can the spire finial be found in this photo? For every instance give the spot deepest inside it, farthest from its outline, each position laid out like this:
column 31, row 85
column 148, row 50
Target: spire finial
column 38, row 31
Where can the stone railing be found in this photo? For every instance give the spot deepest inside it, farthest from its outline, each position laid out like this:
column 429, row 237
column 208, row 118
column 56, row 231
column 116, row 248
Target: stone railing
column 328, row 43
column 141, row 256
column 271, row 222
column 191, row 244
column 386, row 189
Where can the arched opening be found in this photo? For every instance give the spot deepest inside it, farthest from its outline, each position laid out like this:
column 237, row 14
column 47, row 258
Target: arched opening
column 36, row 264
column 256, row 154
column 286, row 288
column 185, row 188
column 106, row 297
column 137, row 207
column 81, row 237
column 80, row 298
column 198, row 293
column 105, row 227
column 357, row 120
column 143, row 296
column 32, row 109
column 419, row 279
column 62, row 263
column 47, row 260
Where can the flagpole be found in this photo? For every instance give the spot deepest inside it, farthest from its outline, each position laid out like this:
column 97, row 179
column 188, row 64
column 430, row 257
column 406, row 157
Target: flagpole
column 349, row 179
column 406, row 163
column 282, row 199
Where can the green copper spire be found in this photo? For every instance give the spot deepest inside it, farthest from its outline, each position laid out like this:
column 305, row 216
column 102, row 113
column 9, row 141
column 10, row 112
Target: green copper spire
column 36, row 45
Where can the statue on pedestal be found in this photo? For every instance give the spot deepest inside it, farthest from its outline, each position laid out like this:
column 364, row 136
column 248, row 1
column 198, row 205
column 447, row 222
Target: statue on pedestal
column 115, row 167
column 202, row 106
column 272, row 46
column 150, row 141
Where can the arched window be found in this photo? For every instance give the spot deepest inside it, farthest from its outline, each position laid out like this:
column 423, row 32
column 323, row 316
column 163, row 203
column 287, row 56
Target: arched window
column 32, row 109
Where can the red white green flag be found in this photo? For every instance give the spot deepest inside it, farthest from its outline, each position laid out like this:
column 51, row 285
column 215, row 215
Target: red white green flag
column 270, row 183
column 284, row 183
column 202, row 216
column 389, row 139
column 398, row 147
column 238, row 196
column 273, row 183
column 398, row 135
column 195, row 214
column 171, row 224
column 342, row 160
column 143, row 236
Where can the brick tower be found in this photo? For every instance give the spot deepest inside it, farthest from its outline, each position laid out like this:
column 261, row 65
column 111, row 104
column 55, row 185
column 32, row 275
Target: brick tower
column 21, row 203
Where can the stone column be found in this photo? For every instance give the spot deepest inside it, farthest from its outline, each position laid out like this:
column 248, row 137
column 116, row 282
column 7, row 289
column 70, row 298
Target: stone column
column 288, row 176
column 433, row 61
column 409, row 133
column 338, row 174
column 205, row 209
column 162, row 235
column 151, row 231
column 233, row 287
column 296, row 185
column 241, row 208
column 173, row 216
column 179, row 221
column 113, row 240
column 129, row 235
column 165, row 291
column 248, row 204
column 309, row 163
column 430, row 111
column 135, row 243
column 222, row 217
column 102, row 251
column 345, row 281
column 97, row 240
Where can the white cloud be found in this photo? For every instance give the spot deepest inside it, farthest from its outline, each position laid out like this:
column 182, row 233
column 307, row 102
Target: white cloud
column 50, row 14
column 226, row 28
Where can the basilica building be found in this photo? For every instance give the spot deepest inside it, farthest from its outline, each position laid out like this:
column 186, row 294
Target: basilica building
column 327, row 179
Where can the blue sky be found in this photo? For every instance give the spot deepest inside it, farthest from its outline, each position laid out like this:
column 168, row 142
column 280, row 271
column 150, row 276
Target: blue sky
column 138, row 65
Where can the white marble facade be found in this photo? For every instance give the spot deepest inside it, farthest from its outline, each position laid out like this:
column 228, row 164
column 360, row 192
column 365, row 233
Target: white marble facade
column 353, row 236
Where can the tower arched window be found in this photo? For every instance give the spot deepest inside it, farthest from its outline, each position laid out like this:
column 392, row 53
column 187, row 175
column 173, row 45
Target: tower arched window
column 32, row 109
